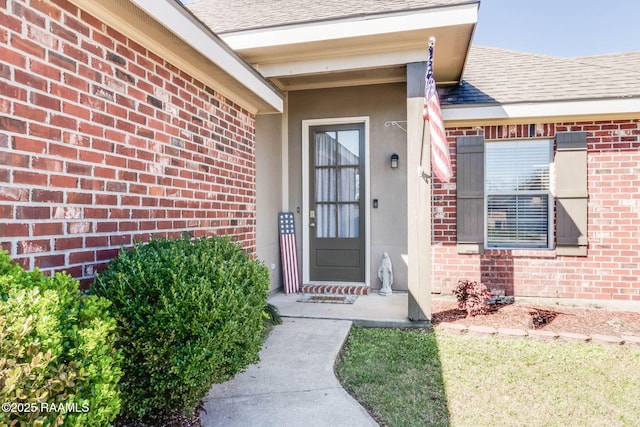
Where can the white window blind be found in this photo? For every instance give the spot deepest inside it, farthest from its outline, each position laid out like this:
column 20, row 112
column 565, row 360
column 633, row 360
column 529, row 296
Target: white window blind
column 517, row 193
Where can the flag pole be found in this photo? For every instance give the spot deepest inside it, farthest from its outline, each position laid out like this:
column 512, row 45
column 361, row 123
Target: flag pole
column 421, row 173
column 420, row 170
column 432, row 42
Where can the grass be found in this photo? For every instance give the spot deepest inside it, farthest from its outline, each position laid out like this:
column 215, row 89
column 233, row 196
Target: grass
column 415, row 378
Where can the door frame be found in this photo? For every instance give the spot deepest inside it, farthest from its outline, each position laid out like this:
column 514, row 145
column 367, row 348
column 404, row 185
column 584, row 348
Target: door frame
column 306, row 124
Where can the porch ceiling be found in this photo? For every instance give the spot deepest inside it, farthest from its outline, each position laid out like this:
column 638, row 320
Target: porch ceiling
column 361, row 50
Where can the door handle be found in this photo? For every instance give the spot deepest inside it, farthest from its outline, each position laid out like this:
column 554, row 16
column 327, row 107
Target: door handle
column 312, row 218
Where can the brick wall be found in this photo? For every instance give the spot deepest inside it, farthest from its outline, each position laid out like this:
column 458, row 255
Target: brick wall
column 103, row 143
column 611, row 269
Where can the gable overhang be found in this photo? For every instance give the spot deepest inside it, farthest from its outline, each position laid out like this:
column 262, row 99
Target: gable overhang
column 168, row 30
column 571, row 110
column 360, row 50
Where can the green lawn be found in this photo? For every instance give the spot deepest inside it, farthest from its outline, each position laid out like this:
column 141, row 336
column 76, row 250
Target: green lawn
column 415, row 378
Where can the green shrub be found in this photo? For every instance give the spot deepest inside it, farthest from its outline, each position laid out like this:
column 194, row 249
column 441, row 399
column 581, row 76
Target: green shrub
column 58, row 365
column 189, row 314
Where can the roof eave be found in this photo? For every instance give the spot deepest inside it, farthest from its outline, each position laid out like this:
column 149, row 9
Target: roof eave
column 360, row 43
column 522, row 112
column 346, row 18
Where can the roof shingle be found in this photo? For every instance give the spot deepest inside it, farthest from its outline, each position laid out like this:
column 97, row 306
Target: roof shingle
column 228, row 16
column 494, row 75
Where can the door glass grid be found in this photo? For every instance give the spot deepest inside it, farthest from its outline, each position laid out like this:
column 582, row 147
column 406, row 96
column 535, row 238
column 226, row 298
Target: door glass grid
column 348, row 190
column 337, row 184
column 325, row 185
column 349, row 220
column 325, row 220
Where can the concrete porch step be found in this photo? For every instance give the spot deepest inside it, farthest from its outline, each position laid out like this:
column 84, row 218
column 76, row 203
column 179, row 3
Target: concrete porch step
column 369, row 311
column 335, row 289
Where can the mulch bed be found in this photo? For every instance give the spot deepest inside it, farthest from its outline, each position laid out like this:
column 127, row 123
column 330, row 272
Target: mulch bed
column 551, row 318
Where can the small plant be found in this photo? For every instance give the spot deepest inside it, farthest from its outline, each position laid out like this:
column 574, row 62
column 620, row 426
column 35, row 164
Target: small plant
column 190, row 314
column 58, row 365
column 541, row 318
column 473, row 297
column 272, row 316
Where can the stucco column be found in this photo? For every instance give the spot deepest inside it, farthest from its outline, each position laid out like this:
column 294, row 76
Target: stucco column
column 418, row 199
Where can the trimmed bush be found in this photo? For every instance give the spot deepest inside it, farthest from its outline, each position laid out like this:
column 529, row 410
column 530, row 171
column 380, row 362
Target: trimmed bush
column 58, row 365
column 189, row 315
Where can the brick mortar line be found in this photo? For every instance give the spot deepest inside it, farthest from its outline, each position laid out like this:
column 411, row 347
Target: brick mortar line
column 627, row 340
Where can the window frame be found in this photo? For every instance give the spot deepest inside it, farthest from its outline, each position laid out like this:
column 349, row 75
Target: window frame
column 549, row 193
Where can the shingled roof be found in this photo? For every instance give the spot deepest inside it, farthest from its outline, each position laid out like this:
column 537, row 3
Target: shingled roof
column 501, row 76
column 227, row 16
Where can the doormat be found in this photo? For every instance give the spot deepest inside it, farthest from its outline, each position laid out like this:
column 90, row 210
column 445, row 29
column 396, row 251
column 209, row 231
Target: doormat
column 329, row 299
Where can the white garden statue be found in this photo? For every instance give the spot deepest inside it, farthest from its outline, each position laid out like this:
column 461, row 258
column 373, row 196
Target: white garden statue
column 385, row 274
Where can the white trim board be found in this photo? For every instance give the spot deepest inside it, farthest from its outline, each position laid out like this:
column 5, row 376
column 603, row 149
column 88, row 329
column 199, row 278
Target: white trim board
column 541, row 110
column 284, row 148
column 356, row 61
column 347, row 28
column 306, row 124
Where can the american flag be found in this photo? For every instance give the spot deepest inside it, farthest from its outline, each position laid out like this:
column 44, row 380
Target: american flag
column 288, row 253
column 440, row 160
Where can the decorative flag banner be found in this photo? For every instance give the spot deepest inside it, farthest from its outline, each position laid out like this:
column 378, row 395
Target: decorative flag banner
column 440, row 159
column 288, row 252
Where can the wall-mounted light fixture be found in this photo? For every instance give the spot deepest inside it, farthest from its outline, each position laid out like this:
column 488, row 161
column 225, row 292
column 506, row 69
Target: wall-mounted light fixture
column 394, row 161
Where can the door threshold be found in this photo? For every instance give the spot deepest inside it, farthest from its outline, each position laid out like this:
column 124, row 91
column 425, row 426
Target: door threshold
column 334, row 283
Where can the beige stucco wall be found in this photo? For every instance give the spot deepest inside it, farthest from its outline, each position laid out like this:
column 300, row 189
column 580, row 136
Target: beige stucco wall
column 269, row 192
column 381, row 103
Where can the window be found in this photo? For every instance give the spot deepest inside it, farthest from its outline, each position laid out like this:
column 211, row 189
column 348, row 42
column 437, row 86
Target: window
column 518, row 202
column 507, row 203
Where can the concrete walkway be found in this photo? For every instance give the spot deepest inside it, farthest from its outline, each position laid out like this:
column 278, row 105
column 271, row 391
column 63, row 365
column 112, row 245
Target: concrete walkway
column 292, row 385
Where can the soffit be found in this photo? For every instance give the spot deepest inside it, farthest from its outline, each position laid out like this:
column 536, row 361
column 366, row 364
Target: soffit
column 342, row 79
column 366, row 52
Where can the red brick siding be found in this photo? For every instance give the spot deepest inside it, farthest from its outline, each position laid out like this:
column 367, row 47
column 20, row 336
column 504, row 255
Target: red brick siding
column 611, row 269
column 103, row 143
